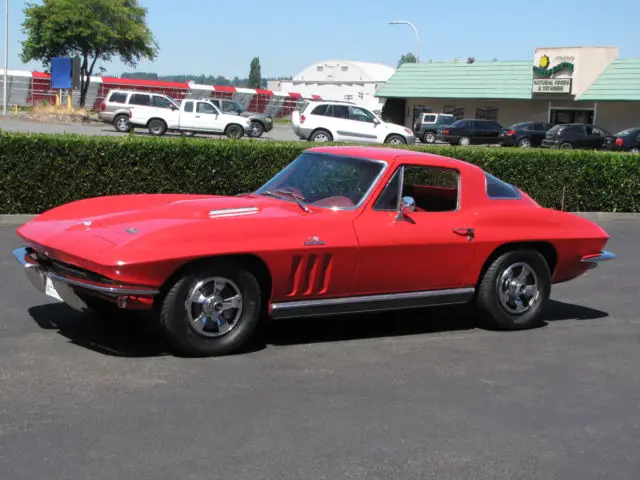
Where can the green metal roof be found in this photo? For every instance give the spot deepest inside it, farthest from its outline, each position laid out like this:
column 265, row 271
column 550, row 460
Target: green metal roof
column 490, row 80
column 619, row 82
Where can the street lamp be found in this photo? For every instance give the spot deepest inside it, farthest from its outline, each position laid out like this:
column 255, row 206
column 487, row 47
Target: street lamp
column 6, row 56
column 404, row 22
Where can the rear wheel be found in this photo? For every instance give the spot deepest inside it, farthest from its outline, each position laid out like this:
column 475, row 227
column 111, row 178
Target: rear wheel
column 212, row 309
column 234, row 131
column 514, row 290
column 464, row 141
column 157, row 127
column 566, row 146
column 524, row 143
column 321, row 136
column 429, row 137
column 121, row 123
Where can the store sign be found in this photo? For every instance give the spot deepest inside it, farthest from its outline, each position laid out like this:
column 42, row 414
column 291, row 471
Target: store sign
column 551, row 85
column 544, row 68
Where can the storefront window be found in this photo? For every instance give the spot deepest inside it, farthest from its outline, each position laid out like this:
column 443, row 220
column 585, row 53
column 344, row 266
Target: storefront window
column 562, row 116
column 487, row 113
column 454, row 110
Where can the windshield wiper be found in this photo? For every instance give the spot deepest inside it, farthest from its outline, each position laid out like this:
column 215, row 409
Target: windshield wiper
column 280, row 193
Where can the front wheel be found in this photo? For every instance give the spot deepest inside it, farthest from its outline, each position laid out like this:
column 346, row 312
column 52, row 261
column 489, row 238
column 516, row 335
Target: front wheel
column 121, row 123
column 157, row 127
column 212, row 309
column 396, row 140
column 566, row 146
column 257, row 129
column 514, row 290
column 234, row 132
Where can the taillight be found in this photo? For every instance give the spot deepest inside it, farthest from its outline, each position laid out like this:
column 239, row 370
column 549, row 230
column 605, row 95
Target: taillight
column 619, row 142
column 446, row 131
column 103, row 107
column 510, row 132
column 302, row 118
column 130, row 114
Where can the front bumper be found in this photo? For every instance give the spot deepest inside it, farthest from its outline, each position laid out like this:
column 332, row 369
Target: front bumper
column 594, row 260
column 411, row 140
column 63, row 285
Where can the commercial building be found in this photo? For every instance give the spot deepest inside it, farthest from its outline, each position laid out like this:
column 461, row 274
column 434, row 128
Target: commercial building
column 560, row 85
column 340, row 80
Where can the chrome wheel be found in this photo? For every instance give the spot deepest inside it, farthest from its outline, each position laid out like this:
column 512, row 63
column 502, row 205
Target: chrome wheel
column 518, row 288
column 214, row 307
column 395, row 141
column 320, row 137
column 429, row 137
column 635, row 150
column 122, row 123
column 525, row 143
column 464, row 141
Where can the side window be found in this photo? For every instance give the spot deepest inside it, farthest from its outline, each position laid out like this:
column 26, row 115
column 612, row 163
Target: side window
column 206, row 108
column 497, row 189
column 429, row 119
column 140, row 99
column 340, row 111
column 597, row 132
column 161, row 102
column 434, row 189
column 215, row 102
column 188, row 107
column 320, row 110
column 228, row 106
column 361, row 115
column 118, row 97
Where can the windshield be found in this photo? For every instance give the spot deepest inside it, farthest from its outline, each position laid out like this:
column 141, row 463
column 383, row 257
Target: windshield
column 325, row 180
column 628, row 131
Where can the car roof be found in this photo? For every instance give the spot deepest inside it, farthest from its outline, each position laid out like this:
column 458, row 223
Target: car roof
column 392, row 156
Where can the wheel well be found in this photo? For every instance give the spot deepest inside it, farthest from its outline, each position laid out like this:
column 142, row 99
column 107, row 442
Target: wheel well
column 258, row 121
column 226, row 129
column 252, row 263
column 393, row 135
column 544, row 248
column 118, row 115
column 155, row 118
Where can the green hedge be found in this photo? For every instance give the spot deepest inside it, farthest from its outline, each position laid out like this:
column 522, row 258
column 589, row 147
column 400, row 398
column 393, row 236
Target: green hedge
column 38, row 172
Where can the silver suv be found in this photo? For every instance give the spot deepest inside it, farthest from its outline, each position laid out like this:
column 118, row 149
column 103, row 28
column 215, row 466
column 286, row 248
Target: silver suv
column 115, row 107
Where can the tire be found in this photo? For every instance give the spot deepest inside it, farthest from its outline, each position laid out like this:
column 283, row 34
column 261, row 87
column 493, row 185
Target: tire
column 234, row 131
column 634, row 150
column 524, row 143
column 566, row 146
column 157, row 127
column 497, row 311
column 429, row 137
column 257, row 129
column 198, row 339
column 321, row 136
column 396, row 140
column 121, row 123
column 464, row 141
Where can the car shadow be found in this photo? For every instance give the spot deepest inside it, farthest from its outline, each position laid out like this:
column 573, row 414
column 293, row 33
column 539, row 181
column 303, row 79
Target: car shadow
column 139, row 337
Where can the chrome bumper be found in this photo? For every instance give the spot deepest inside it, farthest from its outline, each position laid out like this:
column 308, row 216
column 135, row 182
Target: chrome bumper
column 595, row 259
column 39, row 274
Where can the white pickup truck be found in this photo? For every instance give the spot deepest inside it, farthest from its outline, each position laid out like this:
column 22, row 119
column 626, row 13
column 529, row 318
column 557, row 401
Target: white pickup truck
column 193, row 116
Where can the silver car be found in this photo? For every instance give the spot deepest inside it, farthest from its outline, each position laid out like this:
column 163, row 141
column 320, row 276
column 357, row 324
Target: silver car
column 115, row 107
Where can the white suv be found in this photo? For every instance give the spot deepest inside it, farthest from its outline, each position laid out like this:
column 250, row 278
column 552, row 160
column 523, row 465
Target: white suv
column 332, row 121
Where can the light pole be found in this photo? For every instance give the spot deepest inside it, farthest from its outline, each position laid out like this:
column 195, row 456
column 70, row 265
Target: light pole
column 6, row 56
column 404, row 22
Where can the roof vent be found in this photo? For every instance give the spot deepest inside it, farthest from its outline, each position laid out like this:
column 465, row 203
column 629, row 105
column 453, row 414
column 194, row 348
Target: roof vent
column 471, row 60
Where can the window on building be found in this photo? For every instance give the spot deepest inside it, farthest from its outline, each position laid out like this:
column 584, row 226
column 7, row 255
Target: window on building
column 434, row 189
column 454, row 110
column 487, row 113
column 344, row 69
column 319, row 68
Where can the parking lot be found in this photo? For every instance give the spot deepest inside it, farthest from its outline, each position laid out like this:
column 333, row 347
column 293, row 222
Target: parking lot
column 279, row 132
column 408, row 395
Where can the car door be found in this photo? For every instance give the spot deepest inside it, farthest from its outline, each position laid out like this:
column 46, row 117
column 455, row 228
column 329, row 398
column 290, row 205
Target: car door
column 188, row 115
column 430, row 249
column 338, row 122
column 491, row 131
column 208, row 118
column 362, row 126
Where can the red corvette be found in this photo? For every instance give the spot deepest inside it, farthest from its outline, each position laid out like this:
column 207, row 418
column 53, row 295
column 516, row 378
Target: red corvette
column 339, row 230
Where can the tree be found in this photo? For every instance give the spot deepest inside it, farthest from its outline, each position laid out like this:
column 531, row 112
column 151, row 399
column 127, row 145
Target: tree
column 255, row 76
column 407, row 58
column 90, row 29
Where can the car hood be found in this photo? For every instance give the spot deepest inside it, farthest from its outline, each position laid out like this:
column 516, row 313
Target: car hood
column 94, row 229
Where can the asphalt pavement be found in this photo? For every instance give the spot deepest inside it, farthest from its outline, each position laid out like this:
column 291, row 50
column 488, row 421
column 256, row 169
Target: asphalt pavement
column 401, row 396
column 11, row 124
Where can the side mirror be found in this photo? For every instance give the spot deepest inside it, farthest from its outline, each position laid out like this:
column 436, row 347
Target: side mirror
column 407, row 205
column 376, row 121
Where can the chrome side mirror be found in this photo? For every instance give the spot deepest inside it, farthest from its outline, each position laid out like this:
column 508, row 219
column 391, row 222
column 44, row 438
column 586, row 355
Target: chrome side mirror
column 407, row 205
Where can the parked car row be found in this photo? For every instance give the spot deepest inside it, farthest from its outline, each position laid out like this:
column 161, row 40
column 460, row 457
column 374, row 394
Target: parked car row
column 432, row 127
column 156, row 112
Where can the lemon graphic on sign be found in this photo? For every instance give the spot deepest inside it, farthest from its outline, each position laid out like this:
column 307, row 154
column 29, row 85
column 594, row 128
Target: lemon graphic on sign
column 544, row 61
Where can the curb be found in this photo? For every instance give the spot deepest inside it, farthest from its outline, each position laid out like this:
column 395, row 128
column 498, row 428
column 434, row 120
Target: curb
column 19, row 219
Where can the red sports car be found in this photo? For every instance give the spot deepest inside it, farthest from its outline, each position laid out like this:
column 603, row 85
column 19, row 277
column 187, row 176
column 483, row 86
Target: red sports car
column 340, row 230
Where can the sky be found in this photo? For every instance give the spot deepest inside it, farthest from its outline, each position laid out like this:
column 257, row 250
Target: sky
column 212, row 37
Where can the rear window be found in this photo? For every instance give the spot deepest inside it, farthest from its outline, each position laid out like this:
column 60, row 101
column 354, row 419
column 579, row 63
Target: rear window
column 497, row 189
column 447, row 119
column 319, row 110
column 118, row 97
column 459, row 124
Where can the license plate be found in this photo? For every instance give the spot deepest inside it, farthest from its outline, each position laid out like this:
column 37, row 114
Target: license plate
column 51, row 291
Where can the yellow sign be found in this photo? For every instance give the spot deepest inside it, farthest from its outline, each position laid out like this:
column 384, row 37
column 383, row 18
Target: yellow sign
column 544, row 61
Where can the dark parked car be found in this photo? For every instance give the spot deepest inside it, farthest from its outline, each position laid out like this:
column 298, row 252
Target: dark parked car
column 627, row 140
column 470, row 132
column 426, row 125
column 524, row 134
column 578, row 135
column 260, row 123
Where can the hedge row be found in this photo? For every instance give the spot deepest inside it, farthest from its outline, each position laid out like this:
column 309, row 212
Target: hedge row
column 38, row 172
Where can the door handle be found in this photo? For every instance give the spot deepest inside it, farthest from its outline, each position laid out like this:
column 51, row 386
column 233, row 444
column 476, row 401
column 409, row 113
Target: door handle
column 197, row 116
column 465, row 232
